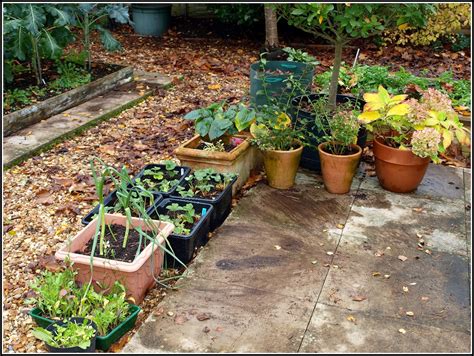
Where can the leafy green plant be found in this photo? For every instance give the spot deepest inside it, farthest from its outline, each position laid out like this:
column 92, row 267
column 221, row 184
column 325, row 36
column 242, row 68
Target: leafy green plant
column 240, row 14
column 219, row 119
column 69, row 335
column 34, row 31
column 70, row 76
column 337, row 129
column 16, row 97
column 297, row 55
column 204, row 182
column 159, row 179
column 340, row 23
column 181, row 216
column 89, row 17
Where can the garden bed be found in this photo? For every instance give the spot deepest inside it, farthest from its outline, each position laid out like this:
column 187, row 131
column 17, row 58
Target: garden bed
column 32, row 114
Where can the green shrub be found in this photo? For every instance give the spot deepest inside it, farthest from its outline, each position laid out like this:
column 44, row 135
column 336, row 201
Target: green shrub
column 240, row 14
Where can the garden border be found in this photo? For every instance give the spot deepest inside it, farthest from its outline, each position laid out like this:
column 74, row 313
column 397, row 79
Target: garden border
column 33, row 114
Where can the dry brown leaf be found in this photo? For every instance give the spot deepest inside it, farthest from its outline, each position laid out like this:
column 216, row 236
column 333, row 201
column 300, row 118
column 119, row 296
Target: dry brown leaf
column 44, row 197
column 203, row 316
column 402, row 258
column 358, row 298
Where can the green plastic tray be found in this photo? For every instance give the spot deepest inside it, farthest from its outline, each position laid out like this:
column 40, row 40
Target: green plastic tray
column 102, row 342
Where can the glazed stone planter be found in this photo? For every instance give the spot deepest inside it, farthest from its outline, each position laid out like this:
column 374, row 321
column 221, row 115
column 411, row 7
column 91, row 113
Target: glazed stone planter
column 399, row 171
column 338, row 170
column 281, row 167
column 137, row 276
column 241, row 160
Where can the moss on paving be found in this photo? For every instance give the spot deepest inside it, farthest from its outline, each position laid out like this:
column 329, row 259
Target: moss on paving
column 77, row 131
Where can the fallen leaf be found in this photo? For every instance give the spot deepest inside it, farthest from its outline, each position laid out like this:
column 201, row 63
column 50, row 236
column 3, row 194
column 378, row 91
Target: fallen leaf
column 428, row 252
column 359, row 298
column 170, row 313
column 44, row 197
column 314, row 262
column 419, row 235
column 340, row 226
column 418, row 210
column 402, row 258
column 206, row 329
column 379, row 253
column 351, row 318
column 410, row 313
column 180, row 319
column 277, row 247
column 424, row 299
column 405, row 289
column 376, row 274
column 402, row 331
column 214, row 86
column 202, row 317
column 412, row 283
column 386, row 276
column 329, row 253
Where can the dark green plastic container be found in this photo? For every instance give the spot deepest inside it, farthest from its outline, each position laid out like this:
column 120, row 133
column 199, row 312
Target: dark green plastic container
column 151, row 19
column 264, row 85
column 102, row 342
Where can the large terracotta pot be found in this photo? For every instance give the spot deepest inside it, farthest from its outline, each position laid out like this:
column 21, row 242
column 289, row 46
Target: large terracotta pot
column 398, row 171
column 137, row 276
column 338, row 170
column 281, row 167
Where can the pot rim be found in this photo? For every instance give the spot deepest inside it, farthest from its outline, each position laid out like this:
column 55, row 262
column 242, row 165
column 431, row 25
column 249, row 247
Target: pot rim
column 284, row 152
column 359, row 150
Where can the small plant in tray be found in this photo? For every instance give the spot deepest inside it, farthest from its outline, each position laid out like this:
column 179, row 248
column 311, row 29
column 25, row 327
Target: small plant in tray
column 159, row 178
column 205, row 183
column 182, row 217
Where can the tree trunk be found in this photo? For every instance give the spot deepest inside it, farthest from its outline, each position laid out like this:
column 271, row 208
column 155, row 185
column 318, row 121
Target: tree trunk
column 335, row 74
column 271, row 29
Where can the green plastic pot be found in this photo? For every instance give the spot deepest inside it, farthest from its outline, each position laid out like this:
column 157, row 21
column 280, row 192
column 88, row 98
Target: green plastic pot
column 151, row 19
column 264, row 86
column 102, row 342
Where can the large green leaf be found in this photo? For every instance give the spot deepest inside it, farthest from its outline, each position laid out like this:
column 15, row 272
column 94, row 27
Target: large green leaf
column 203, row 125
column 35, row 19
column 108, row 41
column 118, row 12
column 11, row 25
column 193, row 115
column 49, row 46
column 62, row 18
column 20, row 44
column 244, row 118
column 218, row 128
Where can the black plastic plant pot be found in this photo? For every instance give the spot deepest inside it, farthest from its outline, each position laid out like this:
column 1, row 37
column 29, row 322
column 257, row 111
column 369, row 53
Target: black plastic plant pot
column 109, row 201
column 271, row 81
column 52, row 329
column 103, row 342
column 183, row 245
column 222, row 204
column 183, row 172
column 310, row 156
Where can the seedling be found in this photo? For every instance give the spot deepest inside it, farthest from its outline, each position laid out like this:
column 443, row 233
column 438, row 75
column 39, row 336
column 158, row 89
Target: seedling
column 205, row 183
column 159, row 179
column 183, row 217
column 69, row 335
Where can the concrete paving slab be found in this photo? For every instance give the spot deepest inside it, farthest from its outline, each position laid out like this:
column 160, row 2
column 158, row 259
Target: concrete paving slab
column 439, row 181
column 285, row 261
column 32, row 139
column 434, row 287
column 380, row 219
column 331, row 331
column 232, row 317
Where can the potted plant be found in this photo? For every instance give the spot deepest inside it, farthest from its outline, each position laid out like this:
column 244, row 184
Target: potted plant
column 210, row 187
column 338, row 151
column 151, row 19
column 221, row 141
column 72, row 335
column 268, row 78
column 56, row 296
column 129, row 250
column 191, row 220
column 281, row 142
column 309, row 108
column 408, row 134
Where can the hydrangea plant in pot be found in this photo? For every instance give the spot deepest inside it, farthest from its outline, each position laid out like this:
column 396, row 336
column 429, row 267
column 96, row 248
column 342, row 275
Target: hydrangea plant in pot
column 409, row 133
column 338, row 151
column 221, row 141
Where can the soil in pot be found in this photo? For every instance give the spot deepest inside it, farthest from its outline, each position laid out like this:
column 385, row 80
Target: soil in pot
column 114, row 235
column 338, row 170
column 227, row 147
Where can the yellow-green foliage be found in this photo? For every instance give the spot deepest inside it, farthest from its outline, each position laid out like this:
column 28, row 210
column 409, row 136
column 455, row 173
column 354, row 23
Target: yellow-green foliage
column 448, row 20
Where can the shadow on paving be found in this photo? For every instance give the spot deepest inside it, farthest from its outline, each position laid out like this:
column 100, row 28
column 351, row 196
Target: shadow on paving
column 303, row 270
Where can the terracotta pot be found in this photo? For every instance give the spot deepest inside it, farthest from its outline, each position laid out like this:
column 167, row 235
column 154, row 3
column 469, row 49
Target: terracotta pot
column 136, row 276
column 338, row 170
column 281, row 167
column 398, row 170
